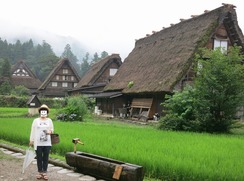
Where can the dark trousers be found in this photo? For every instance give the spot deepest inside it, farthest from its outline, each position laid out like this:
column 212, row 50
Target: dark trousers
column 42, row 155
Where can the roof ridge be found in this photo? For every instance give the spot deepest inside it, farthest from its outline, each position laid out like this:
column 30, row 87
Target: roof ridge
column 229, row 7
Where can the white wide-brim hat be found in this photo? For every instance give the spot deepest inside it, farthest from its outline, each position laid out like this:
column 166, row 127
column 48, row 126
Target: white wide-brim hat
column 44, row 107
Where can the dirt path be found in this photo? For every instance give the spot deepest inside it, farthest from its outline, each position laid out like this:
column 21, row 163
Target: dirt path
column 11, row 169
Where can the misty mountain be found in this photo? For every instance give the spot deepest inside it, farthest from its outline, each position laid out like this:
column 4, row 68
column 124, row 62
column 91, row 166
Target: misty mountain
column 12, row 33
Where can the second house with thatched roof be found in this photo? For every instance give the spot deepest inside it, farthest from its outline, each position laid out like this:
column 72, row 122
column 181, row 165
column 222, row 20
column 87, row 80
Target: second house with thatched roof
column 96, row 78
column 60, row 80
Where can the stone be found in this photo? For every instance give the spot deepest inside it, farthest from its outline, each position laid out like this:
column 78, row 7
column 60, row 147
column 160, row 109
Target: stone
column 87, row 178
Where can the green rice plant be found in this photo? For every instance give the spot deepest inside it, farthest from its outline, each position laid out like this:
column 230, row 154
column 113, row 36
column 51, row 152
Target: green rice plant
column 165, row 155
column 13, row 112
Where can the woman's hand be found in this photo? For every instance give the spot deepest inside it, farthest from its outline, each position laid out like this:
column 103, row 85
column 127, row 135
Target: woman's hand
column 49, row 132
column 31, row 143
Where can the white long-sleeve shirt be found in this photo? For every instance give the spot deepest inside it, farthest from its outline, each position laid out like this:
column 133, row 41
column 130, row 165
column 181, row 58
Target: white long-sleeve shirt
column 39, row 129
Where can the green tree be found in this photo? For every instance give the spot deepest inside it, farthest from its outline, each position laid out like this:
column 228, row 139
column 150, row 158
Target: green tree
column 104, row 54
column 28, row 48
column 1, row 65
column 44, row 60
column 84, row 65
column 46, row 64
column 17, row 52
column 5, row 68
column 5, row 88
column 218, row 92
column 72, row 58
column 4, row 53
column 95, row 58
column 220, row 88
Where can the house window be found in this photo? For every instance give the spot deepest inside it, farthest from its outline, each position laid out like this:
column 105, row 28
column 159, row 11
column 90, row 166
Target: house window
column 65, row 77
column 65, row 84
column 72, row 77
column 24, row 73
column 112, row 71
column 75, row 84
column 32, row 104
column 223, row 44
column 57, row 77
column 20, row 72
column 54, row 84
column 65, row 71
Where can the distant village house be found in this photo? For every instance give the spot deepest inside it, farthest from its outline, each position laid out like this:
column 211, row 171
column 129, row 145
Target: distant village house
column 60, row 80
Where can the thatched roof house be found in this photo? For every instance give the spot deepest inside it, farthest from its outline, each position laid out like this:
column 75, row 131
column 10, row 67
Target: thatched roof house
column 98, row 76
column 22, row 75
column 60, row 80
column 162, row 62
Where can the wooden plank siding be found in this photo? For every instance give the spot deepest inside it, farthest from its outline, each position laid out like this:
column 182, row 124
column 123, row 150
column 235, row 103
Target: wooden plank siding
column 141, row 108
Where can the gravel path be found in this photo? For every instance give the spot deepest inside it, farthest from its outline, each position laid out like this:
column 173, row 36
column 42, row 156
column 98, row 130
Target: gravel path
column 11, row 169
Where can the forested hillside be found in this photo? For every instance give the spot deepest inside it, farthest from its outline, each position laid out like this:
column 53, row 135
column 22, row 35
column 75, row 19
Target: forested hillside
column 40, row 58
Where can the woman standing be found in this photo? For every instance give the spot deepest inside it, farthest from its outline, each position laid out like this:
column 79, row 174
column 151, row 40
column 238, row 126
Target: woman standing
column 41, row 129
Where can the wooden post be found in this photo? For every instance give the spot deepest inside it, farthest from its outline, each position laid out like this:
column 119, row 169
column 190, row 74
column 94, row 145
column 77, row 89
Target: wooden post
column 117, row 172
column 75, row 141
column 74, row 148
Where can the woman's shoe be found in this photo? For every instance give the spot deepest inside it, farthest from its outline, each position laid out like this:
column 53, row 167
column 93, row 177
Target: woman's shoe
column 44, row 176
column 39, row 176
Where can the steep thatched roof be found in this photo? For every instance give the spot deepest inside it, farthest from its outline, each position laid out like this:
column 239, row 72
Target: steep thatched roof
column 58, row 66
column 97, row 69
column 22, row 75
column 28, row 82
column 159, row 61
column 23, row 68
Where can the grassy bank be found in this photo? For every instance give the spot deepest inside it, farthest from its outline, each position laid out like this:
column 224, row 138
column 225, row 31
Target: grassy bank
column 164, row 155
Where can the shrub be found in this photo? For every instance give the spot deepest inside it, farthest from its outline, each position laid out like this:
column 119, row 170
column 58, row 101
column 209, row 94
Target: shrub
column 13, row 101
column 53, row 102
column 20, row 90
column 21, row 101
column 75, row 109
column 5, row 88
column 180, row 112
column 90, row 103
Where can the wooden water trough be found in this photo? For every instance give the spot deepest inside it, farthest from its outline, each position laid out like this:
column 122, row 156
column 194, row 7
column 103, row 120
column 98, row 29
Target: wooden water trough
column 104, row 168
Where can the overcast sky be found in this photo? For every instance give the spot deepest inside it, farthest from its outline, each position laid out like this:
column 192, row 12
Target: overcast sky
column 110, row 25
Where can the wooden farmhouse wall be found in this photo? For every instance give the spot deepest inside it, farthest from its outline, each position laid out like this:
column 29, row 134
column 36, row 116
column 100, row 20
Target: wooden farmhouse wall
column 111, row 105
column 105, row 76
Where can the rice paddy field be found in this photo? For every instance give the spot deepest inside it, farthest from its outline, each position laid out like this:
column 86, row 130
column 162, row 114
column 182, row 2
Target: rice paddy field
column 164, row 155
